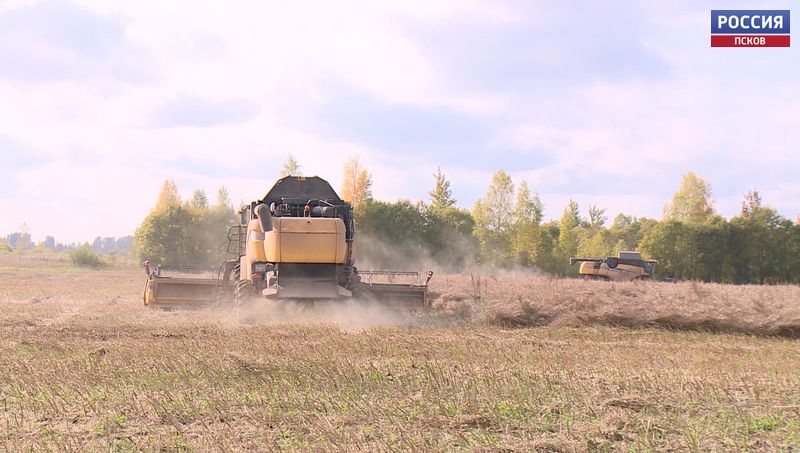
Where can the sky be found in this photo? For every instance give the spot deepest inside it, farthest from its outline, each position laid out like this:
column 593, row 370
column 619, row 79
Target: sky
column 607, row 103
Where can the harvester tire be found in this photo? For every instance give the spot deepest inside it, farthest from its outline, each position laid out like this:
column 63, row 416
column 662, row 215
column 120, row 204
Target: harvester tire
column 244, row 290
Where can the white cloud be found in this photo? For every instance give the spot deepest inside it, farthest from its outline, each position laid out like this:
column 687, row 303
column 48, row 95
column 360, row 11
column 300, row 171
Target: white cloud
column 212, row 93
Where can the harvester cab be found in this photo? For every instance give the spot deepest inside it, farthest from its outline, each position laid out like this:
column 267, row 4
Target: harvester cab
column 626, row 266
column 294, row 243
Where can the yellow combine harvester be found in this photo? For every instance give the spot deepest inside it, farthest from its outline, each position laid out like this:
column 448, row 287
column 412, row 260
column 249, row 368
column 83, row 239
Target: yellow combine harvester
column 295, row 243
column 624, row 267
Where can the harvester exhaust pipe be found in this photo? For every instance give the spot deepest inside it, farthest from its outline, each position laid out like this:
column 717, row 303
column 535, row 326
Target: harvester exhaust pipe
column 264, row 217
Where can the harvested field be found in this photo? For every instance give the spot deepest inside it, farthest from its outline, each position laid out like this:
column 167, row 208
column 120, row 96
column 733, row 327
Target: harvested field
column 506, row 363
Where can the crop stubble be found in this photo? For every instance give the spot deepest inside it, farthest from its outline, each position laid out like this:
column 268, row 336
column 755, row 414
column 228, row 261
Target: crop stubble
column 83, row 366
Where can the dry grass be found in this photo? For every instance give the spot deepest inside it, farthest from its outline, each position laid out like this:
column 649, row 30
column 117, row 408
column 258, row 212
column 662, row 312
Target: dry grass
column 84, row 367
column 525, row 301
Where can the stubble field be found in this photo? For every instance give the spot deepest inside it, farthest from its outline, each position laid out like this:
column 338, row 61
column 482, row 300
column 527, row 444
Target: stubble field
column 507, row 363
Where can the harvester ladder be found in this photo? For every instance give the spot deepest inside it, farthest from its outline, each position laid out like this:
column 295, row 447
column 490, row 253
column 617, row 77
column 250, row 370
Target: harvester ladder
column 237, row 240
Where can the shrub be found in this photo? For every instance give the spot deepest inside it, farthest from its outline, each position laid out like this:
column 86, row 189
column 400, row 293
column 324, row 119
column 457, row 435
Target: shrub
column 84, row 256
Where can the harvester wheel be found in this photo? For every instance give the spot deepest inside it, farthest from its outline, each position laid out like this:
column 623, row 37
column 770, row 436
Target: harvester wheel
column 244, row 290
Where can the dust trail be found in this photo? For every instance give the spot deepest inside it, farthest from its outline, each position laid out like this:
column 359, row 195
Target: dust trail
column 351, row 314
column 347, row 314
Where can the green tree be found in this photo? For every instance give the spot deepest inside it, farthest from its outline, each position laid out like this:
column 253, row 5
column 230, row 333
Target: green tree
column 448, row 237
column 546, row 258
column 667, row 242
column 399, row 223
column 529, row 207
column 597, row 217
column 690, row 251
column 527, row 216
column 223, row 199
column 389, row 234
column 199, row 199
column 619, row 246
column 793, row 251
column 290, row 167
column 493, row 214
column 447, row 232
column 627, row 231
column 357, row 183
column 567, row 227
column 764, row 237
column 751, row 205
column 710, row 246
column 692, row 202
column 208, row 238
column 568, row 236
column 594, row 244
column 192, row 233
column 441, row 196
column 163, row 236
column 622, row 221
column 84, row 256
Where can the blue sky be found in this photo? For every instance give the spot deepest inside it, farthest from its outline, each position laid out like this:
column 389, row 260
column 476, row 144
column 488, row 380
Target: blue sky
column 608, row 104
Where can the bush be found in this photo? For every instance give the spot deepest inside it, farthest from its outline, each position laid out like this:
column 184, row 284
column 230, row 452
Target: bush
column 84, row 256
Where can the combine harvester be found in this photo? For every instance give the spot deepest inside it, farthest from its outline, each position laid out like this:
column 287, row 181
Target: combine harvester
column 295, row 243
column 625, row 267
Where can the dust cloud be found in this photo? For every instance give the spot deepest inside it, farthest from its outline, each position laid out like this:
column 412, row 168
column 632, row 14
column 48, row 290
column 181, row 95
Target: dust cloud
column 347, row 314
column 354, row 314
column 458, row 256
column 112, row 300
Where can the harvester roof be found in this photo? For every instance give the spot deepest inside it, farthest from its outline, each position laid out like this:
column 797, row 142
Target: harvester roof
column 302, row 187
column 629, row 255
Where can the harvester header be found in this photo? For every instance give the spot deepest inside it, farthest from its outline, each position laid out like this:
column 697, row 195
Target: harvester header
column 626, row 266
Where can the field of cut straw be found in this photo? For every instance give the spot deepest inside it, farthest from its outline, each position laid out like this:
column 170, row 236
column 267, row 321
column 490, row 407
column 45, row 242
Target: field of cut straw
column 509, row 363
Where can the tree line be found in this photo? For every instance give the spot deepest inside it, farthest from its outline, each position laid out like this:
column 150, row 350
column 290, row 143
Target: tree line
column 191, row 232
column 505, row 229
column 21, row 241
